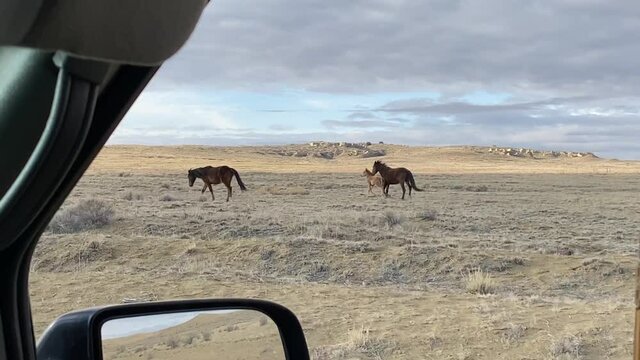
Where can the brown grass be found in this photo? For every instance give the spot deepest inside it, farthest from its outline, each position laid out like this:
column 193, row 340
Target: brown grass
column 479, row 282
column 561, row 248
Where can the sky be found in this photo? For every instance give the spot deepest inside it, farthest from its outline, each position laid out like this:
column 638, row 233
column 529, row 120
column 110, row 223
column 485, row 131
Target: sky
column 546, row 74
column 128, row 326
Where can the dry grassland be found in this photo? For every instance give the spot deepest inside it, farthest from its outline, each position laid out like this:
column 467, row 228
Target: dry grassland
column 499, row 257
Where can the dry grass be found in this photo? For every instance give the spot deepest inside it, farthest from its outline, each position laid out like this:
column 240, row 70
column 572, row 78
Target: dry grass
column 428, row 215
column 361, row 340
column 172, row 343
column 391, row 219
column 130, row 196
column 167, row 197
column 513, row 333
column 569, row 347
column 288, row 191
column 444, row 160
column 560, row 248
column 479, row 282
column 86, row 215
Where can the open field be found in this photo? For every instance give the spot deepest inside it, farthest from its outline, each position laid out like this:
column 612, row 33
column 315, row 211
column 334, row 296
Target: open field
column 499, row 257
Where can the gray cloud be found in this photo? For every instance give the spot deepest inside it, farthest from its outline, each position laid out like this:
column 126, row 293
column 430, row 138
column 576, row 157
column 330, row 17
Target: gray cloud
column 426, row 106
column 569, row 66
column 333, row 124
column 557, row 47
column 362, row 115
column 280, row 127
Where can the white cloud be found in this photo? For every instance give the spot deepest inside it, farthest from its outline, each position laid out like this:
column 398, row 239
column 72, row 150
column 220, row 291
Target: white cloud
column 179, row 109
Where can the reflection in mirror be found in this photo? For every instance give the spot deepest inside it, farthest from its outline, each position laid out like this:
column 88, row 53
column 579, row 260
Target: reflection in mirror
column 218, row 334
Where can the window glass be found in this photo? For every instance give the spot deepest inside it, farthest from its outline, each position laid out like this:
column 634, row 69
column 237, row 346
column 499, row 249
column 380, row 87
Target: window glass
column 516, row 126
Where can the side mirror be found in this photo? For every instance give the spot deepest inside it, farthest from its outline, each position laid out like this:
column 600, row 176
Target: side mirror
column 190, row 329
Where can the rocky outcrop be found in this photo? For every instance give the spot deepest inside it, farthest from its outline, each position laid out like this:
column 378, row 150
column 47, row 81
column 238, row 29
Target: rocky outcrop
column 329, row 150
column 537, row 154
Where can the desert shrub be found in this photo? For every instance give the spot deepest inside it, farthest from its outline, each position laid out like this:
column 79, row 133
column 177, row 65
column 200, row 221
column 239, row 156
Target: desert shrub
column 567, row 347
column 390, row 219
column 94, row 250
column 172, row 343
column 477, row 188
column 504, row 264
column 391, row 272
column 86, row 215
column 188, row 339
column 140, row 348
column 231, row 328
column 321, row 353
column 513, row 332
column 167, row 197
column 516, row 260
column 329, row 352
column 479, row 282
column 191, row 250
column 280, row 190
column 73, row 256
column 318, row 271
column 361, row 340
column 130, row 196
column 428, row 215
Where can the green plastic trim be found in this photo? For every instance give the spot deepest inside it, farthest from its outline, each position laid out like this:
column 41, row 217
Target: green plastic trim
column 44, row 143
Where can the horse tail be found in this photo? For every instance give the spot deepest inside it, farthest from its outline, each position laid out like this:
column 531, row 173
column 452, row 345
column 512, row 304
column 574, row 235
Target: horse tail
column 242, row 187
column 412, row 181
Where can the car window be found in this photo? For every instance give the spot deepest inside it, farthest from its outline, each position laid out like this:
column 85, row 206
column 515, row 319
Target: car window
column 511, row 129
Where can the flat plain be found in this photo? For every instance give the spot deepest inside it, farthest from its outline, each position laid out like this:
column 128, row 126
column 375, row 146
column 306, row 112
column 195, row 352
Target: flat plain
column 499, row 257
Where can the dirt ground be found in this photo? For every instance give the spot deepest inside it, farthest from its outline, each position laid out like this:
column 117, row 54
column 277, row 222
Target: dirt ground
column 499, row 257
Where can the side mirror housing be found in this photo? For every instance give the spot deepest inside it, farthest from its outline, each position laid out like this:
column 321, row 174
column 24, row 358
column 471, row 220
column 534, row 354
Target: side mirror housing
column 228, row 327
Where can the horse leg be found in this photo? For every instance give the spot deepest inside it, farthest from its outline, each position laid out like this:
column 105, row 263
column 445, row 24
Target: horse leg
column 211, row 189
column 204, row 188
column 409, row 186
column 370, row 187
column 229, row 193
column 403, row 189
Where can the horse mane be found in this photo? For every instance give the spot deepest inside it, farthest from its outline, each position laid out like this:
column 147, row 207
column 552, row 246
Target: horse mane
column 381, row 164
column 197, row 172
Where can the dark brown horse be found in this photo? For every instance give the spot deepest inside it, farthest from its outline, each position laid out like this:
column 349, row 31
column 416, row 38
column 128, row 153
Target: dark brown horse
column 395, row 176
column 214, row 176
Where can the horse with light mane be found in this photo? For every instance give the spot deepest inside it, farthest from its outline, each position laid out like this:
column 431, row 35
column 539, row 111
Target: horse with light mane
column 373, row 180
column 214, row 176
column 393, row 176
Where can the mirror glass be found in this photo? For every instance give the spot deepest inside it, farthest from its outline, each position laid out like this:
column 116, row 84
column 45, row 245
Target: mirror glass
column 218, row 334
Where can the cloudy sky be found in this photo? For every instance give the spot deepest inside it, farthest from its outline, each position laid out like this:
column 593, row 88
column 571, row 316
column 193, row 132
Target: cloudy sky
column 559, row 74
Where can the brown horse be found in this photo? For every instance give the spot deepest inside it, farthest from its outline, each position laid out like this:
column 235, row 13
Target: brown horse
column 395, row 176
column 373, row 180
column 214, row 176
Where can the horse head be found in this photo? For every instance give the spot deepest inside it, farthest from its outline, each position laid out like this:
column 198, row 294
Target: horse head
column 192, row 177
column 377, row 165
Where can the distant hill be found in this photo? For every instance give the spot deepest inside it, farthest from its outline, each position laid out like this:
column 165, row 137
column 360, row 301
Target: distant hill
column 353, row 158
